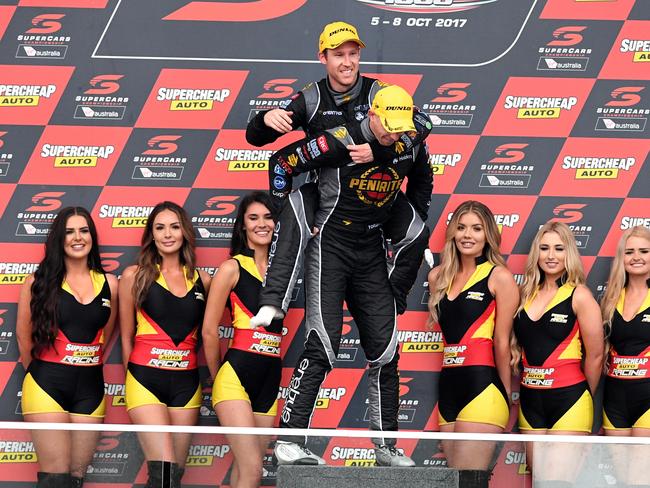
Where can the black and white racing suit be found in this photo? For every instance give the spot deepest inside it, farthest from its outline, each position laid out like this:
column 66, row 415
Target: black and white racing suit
column 316, row 108
column 346, row 260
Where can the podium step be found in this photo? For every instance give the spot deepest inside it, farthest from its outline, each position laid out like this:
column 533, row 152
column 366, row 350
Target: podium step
column 375, row 477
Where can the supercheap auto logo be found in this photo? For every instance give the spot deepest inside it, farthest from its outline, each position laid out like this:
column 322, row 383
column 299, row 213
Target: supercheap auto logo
column 66, row 156
column 639, row 48
column 100, row 101
column 324, row 398
column 243, row 159
column 24, row 95
column 624, row 111
column 420, row 341
column 353, row 456
column 439, row 161
column 15, row 273
column 277, row 93
column 426, row 6
column 539, row 107
column 42, row 39
column 125, row 216
column 595, row 167
column 517, row 458
column 446, row 108
column 17, row 452
column 630, row 53
column 503, row 220
column 204, row 455
column 564, row 52
column 117, row 393
column 187, row 99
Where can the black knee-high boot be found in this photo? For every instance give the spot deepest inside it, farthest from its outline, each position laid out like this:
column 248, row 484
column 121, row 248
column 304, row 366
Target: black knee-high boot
column 77, row 482
column 160, row 474
column 471, row 478
column 177, row 476
column 53, row 480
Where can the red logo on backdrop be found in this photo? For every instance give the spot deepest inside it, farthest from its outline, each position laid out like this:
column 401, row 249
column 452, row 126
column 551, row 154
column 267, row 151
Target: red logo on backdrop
column 509, row 153
column 46, row 24
column 403, row 385
column 538, row 107
column 2, row 133
column 236, row 12
column 162, row 145
column 49, row 82
column 46, row 201
column 191, row 98
column 110, row 260
column 625, row 96
column 278, row 88
column 64, row 3
column 567, row 36
column 2, row 312
column 451, row 92
column 104, row 84
column 568, row 213
column 629, row 58
column 220, row 205
column 85, row 155
column 409, row 82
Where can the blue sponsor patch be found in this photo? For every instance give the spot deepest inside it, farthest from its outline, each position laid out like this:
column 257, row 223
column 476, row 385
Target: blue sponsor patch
column 278, row 170
column 279, row 182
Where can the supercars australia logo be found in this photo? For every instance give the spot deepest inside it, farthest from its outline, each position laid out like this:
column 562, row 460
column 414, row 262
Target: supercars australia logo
column 100, row 101
column 625, row 110
column 43, row 39
column 426, row 6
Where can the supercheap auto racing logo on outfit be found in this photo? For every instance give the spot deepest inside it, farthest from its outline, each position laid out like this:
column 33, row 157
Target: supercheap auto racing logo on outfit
column 593, row 166
column 538, row 106
column 191, row 99
column 630, row 54
column 29, row 94
column 45, row 38
column 85, row 155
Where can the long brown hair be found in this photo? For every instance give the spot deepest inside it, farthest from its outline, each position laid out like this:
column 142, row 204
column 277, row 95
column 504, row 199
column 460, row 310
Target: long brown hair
column 450, row 257
column 149, row 258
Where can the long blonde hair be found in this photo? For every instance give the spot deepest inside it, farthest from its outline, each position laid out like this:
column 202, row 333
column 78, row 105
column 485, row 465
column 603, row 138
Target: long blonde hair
column 617, row 275
column 450, row 257
column 533, row 276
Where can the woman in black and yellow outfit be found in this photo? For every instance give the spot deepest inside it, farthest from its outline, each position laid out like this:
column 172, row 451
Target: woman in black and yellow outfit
column 626, row 313
column 473, row 298
column 66, row 312
column 246, row 385
column 162, row 301
column 557, row 320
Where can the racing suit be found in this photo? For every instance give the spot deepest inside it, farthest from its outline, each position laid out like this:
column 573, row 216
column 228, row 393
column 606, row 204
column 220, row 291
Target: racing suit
column 316, row 108
column 346, row 259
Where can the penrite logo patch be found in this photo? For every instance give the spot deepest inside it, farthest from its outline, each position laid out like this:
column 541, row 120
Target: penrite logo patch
column 29, row 94
column 45, row 39
column 587, row 9
column 630, row 54
column 376, row 186
column 86, row 155
column 633, row 212
column 101, row 100
column 120, row 213
column 191, row 99
column 425, row 6
column 538, row 106
column 596, row 166
column 236, row 164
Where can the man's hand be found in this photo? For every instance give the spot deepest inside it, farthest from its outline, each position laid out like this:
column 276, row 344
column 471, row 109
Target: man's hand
column 279, row 120
column 360, row 153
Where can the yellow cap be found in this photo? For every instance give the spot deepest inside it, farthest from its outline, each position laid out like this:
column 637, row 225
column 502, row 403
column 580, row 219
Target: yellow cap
column 394, row 107
column 337, row 33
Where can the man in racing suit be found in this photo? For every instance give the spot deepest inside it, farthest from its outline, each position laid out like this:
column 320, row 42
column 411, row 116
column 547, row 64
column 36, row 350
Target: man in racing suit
column 343, row 96
column 345, row 260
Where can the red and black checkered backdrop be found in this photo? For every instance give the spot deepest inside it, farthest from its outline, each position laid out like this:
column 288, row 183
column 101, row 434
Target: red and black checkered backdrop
column 540, row 109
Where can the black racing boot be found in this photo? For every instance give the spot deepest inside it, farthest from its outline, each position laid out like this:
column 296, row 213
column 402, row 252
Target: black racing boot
column 53, row 480
column 160, row 474
column 77, row 482
column 177, row 475
column 470, row 478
